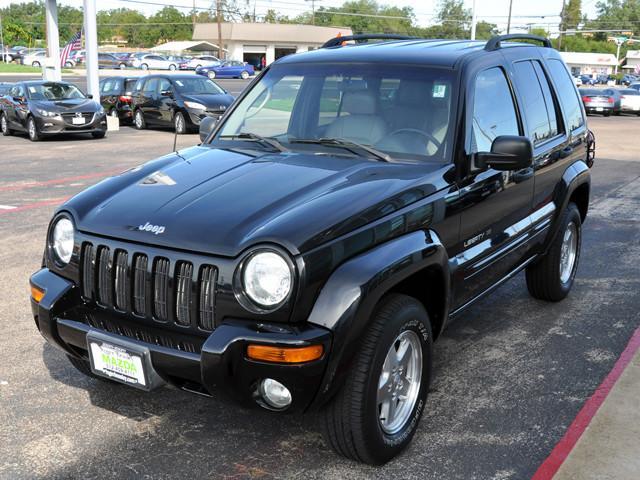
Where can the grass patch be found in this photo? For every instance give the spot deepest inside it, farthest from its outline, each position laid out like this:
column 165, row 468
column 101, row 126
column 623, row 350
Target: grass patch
column 17, row 68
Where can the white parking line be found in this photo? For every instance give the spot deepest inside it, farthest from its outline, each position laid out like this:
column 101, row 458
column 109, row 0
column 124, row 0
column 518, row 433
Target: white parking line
column 7, row 207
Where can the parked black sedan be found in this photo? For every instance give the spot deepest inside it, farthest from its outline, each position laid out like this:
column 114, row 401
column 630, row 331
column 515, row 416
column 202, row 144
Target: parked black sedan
column 43, row 108
column 116, row 97
column 181, row 101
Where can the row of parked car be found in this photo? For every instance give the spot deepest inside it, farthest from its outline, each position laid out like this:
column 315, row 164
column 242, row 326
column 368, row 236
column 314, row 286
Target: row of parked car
column 604, row 79
column 608, row 101
column 43, row 108
column 213, row 67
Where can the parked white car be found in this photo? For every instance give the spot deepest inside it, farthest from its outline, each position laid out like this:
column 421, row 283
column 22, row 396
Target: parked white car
column 200, row 61
column 154, row 62
column 35, row 59
column 630, row 101
column 577, row 81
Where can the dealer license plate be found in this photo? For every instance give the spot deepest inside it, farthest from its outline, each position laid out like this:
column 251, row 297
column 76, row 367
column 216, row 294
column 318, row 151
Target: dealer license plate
column 599, row 109
column 117, row 363
column 78, row 120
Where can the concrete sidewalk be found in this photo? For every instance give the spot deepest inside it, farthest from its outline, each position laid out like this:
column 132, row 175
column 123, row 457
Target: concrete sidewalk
column 609, row 448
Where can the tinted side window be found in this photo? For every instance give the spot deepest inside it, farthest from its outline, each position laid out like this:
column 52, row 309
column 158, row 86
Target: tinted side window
column 165, row 85
column 548, row 99
column 494, row 112
column 150, row 86
column 534, row 107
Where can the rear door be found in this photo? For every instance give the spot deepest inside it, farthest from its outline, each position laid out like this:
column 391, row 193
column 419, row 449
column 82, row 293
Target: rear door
column 166, row 100
column 17, row 107
column 496, row 204
column 149, row 101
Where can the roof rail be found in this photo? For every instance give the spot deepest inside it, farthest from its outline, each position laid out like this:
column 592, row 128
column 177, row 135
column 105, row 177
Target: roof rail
column 494, row 42
column 334, row 42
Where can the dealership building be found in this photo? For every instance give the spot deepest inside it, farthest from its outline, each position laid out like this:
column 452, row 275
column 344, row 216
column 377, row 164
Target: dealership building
column 589, row 63
column 249, row 42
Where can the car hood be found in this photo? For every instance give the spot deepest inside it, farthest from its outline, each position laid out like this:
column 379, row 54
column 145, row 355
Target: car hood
column 221, row 202
column 211, row 100
column 70, row 105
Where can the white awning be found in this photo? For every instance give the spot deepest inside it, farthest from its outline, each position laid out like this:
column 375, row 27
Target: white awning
column 191, row 46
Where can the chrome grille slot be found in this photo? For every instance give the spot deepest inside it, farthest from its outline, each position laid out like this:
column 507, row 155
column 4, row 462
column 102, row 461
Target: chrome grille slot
column 161, row 289
column 104, row 277
column 139, row 285
column 207, row 297
column 88, row 268
column 122, row 281
column 183, row 293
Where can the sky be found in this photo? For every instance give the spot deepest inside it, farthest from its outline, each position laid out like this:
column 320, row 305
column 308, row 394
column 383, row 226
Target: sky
column 543, row 13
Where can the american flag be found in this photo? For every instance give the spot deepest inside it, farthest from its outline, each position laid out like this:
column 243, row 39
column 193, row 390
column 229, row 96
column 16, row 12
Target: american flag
column 74, row 44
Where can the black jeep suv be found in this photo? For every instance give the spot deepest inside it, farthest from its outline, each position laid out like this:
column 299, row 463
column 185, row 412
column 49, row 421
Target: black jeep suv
column 305, row 256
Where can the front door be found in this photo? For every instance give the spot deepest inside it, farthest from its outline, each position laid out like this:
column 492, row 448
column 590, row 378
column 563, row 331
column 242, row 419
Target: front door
column 166, row 100
column 495, row 204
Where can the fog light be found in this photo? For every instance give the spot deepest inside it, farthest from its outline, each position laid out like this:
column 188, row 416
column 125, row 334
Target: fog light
column 275, row 394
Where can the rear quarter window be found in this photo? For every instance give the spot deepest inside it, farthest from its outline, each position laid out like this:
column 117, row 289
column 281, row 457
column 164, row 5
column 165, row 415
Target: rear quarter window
column 566, row 93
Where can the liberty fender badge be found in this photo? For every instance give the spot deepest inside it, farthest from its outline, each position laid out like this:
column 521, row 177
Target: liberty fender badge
column 155, row 229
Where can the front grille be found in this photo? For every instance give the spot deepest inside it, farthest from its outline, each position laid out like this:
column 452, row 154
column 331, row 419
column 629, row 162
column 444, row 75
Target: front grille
column 156, row 288
column 68, row 118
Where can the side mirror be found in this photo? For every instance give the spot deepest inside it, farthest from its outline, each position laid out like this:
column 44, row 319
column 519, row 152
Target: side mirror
column 166, row 93
column 206, row 127
column 18, row 99
column 89, row 96
column 508, row 152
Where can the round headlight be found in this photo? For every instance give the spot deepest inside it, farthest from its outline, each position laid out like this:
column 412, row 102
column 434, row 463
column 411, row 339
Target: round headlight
column 62, row 240
column 267, row 279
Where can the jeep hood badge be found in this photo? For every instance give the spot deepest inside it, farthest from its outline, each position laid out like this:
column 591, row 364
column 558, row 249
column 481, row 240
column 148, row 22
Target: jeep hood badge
column 155, row 229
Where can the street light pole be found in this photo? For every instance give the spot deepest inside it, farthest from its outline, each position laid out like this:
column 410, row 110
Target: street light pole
column 619, row 42
column 509, row 19
column 474, row 19
column 4, row 50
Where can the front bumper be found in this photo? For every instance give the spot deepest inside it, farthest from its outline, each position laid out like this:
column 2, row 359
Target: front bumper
column 57, row 125
column 220, row 365
column 196, row 116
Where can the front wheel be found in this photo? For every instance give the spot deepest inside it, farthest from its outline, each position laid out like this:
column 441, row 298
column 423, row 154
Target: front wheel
column 244, row 75
column 4, row 125
column 123, row 66
column 98, row 135
column 179, row 123
column 172, row 67
column 552, row 276
column 144, row 66
column 211, row 74
column 138, row 120
column 375, row 414
column 32, row 128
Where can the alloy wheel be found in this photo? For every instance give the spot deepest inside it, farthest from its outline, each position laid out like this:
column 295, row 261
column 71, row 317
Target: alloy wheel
column 399, row 382
column 3, row 124
column 568, row 252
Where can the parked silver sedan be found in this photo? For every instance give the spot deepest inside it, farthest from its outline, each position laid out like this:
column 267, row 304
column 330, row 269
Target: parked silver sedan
column 154, row 62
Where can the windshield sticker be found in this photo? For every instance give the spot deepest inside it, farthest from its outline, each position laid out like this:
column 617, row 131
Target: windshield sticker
column 439, row 90
column 32, row 89
column 180, row 84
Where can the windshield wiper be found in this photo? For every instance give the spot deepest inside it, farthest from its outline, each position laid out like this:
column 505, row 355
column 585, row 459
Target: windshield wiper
column 272, row 142
column 346, row 144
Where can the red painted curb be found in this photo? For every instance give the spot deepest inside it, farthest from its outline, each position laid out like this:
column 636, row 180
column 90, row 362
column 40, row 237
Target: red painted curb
column 57, row 181
column 561, row 451
column 29, row 206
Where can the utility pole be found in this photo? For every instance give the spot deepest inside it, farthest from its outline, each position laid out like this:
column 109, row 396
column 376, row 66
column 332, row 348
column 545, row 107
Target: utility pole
column 509, row 19
column 474, row 19
column 4, row 49
column 219, row 20
column 193, row 15
column 619, row 42
column 313, row 11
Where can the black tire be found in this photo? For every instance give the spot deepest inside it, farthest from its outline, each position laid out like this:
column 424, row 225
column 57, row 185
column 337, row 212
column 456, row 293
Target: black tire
column 544, row 276
column 351, row 421
column 172, row 67
column 144, row 66
column 4, row 126
column 35, row 64
column 98, row 135
column 138, row 120
column 179, row 123
column 83, row 367
column 607, row 114
column 32, row 130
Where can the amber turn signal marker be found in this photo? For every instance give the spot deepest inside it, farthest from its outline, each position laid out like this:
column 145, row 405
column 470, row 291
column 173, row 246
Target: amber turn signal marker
column 284, row 354
column 37, row 294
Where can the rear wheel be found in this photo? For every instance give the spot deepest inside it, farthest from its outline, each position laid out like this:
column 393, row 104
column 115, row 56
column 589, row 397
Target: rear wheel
column 35, row 64
column 551, row 277
column 607, row 114
column 98, row 135
column 32, row 129
column 123, row 66
column 4, row 125
column 172, row 67
column 144, row 66
column 138, row 120
column 244, row 75
column 376, row 413
column 211, row 74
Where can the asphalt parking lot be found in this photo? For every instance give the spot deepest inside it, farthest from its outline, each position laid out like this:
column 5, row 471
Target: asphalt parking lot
column 510, row 374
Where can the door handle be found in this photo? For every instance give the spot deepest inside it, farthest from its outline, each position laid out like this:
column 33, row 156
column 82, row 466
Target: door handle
column 565, row 152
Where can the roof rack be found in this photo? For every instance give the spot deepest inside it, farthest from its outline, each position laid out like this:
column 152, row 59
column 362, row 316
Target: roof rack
column 334, row 42
column 494, row 42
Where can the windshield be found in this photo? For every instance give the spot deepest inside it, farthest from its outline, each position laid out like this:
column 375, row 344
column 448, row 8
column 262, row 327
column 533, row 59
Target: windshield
column 404, row 111
column 54, row 91
column 197, row 86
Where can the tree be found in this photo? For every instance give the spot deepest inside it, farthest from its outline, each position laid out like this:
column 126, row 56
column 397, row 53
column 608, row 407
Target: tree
column 571, row 15
column 454, row 19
